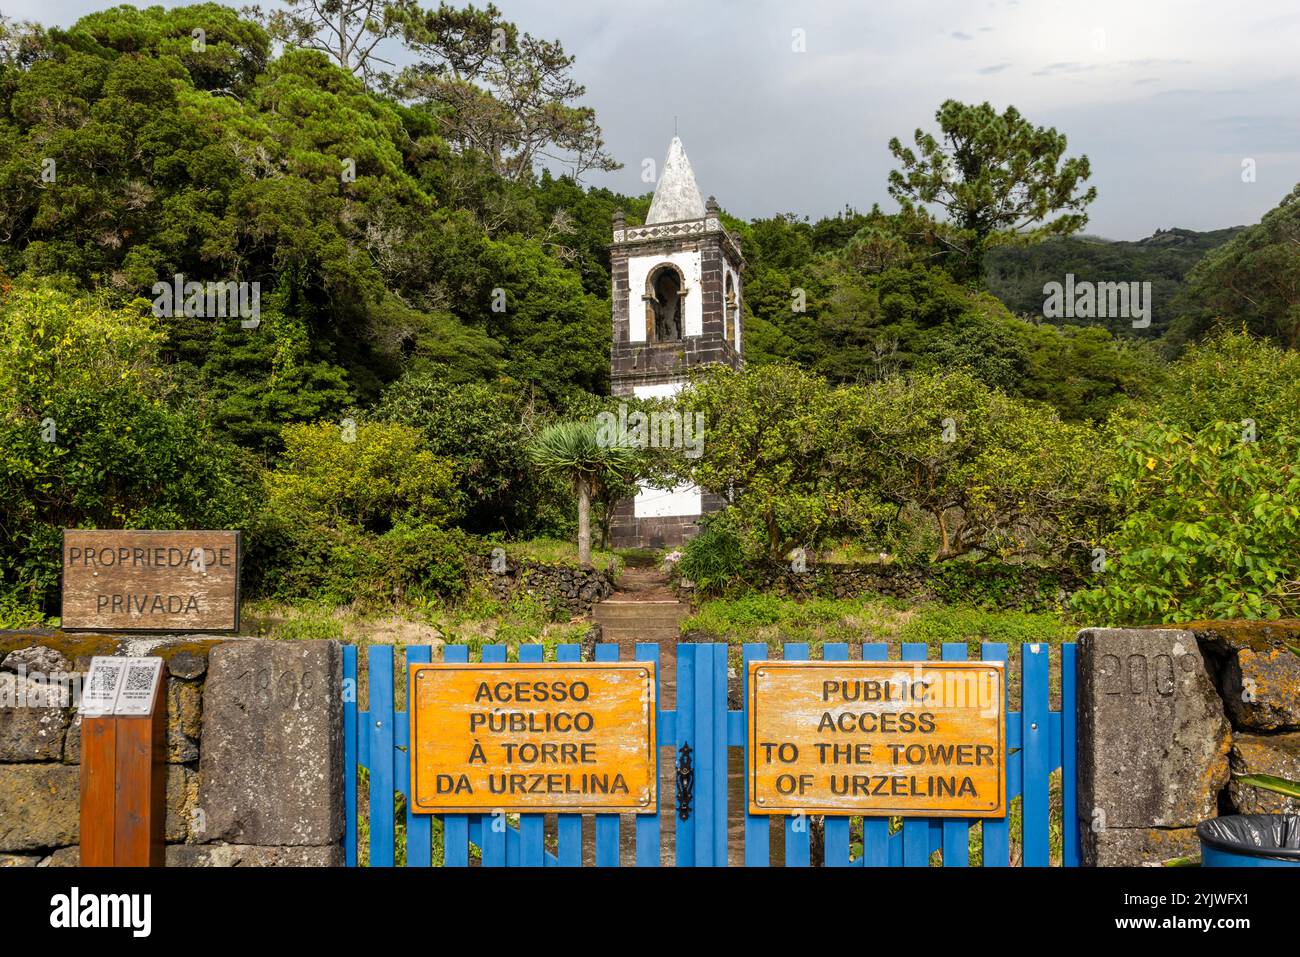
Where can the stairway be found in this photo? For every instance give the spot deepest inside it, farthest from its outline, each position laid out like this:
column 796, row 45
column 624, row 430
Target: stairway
column 643, row 608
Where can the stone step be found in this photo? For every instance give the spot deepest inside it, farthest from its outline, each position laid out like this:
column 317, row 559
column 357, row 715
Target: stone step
column 640, row 612
column 672, row 626
column 621, row 604
column 659, row 630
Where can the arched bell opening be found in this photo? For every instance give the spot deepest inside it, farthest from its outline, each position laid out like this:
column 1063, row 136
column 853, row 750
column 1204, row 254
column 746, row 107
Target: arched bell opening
column 665, row 295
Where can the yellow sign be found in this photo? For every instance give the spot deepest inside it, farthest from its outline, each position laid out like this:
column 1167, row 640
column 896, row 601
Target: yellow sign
column 568, row 738
column 924, row 738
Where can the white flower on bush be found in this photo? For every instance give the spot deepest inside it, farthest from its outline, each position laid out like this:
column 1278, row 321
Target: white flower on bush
column 671, row 559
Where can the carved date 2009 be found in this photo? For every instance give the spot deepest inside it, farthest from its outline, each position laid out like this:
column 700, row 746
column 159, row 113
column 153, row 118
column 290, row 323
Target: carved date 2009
column 1139, row 674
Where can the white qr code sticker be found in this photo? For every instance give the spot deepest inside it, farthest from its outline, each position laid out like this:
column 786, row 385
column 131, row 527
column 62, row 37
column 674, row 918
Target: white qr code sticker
column 136, row 694
column 120, row 686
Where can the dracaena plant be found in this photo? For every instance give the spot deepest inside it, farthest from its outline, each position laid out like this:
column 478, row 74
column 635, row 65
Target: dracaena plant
column 1270, row 782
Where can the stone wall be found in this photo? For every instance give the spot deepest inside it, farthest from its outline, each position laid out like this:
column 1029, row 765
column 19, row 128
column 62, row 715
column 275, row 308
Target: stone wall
column 1168, row 718
column 254, row 747
column 567, row 589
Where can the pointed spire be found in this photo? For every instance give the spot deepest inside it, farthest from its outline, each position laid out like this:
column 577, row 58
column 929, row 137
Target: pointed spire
column 676, row 197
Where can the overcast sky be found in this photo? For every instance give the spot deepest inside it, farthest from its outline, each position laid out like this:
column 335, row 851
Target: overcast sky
column 1166, row 97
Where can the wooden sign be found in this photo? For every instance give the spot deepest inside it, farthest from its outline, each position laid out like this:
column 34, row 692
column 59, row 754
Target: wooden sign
column 150, row 581
column 921, row 739
column 569, row 738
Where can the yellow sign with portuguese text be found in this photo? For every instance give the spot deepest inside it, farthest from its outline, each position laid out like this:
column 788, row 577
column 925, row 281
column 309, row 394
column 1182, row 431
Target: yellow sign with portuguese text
column 566, row 738
column 925, row 738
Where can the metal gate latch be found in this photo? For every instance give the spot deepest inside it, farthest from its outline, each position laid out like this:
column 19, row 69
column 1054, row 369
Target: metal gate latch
column 685, row 782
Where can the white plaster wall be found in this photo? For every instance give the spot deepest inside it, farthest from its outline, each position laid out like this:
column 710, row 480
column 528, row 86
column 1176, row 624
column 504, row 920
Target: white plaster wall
column 665, row 390
column 640, row 267
column 655, row 502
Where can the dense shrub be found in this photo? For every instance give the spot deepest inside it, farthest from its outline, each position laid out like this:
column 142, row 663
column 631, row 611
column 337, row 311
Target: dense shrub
column 1208, row 490
column 1212, row 531
column 360, row 514
column 712, row 560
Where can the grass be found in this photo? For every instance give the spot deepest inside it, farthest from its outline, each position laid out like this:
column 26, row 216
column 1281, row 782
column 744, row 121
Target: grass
column 773, row 620
column 556, row 551
column 761, row 617
column 479, row 618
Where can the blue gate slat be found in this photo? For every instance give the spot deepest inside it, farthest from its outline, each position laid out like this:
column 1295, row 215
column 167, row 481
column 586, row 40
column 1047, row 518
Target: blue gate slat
column 837, row 827
column 647, row 825
column 875, row 830
column 568, row 827
column 401, row 764
column 758, row 851
column 736, row 729
column 419, row 827
column 956, row 833
column 382, row 785
column 997, row 833
column 685, row 728
column 703, row 820
column 721, row 725
column 492, row 831
column 1071, row 837
column 532, row 827
column 667, row 728
column 455, row 827
column 607, row 825
column 798, row 842
column 350, row 756
column 363, row 737
column 1036, row 846
column 917, row 838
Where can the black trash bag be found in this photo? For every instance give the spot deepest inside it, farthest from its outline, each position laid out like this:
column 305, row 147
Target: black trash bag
column 1257, row 835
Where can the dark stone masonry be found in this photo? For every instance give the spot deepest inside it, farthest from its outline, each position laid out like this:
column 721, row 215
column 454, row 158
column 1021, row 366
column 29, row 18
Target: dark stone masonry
column 566, row 589
column 1169, row 718
column 254, row 747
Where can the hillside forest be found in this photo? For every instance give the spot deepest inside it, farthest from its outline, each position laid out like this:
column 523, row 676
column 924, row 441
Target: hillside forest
column 435, row 296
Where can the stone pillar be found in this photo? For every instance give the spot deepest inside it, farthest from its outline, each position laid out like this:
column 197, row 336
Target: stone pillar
column 271, row 765
column 1153, row 745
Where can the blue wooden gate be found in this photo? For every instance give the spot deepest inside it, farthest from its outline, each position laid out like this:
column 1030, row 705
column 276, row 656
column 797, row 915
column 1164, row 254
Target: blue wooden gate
column 1039, row 741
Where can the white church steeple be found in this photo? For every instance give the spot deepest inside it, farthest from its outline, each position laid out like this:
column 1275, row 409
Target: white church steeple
column 676, row 198
column 676, row 298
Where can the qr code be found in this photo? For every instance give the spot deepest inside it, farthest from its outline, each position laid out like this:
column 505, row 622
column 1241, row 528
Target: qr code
column 105, row 677
column 139, row 679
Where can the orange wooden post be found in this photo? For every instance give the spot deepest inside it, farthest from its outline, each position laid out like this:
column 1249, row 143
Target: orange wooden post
column 124, row 787
column 98, row 790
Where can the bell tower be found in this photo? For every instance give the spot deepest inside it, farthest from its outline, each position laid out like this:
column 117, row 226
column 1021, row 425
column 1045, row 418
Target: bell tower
column 677, row 305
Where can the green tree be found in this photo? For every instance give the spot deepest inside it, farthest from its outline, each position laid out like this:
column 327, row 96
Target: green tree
column 576, row 451
column 767, row 432
column 994, row 475
column 996, row 176
column 348, row 31
column 504, row 93
column 485, row 432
